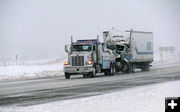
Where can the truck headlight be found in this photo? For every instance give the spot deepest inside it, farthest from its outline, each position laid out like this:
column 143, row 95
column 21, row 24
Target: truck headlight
column 90, row 62
column 66, row 63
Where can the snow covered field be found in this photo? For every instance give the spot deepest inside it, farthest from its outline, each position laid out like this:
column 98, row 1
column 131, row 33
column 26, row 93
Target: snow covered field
column 140, row 99
column 31, row 71
column 55, row 69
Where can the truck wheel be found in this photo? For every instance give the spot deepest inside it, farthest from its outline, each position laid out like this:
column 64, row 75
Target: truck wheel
column 145, row 67
column 114, row 69
column 148, row 68
column 106, row 72
column 124, row 68
column 111, row 70
column 67, row 75
column 127, row 68
column 130, row 68
column 91, row 74
column 85, row 75
column 98, row 69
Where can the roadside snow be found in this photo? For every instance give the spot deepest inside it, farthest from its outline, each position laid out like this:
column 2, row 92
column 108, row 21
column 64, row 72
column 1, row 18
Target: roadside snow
column 141, row 99
column 56, row 69
column 35, row 71
column 167, row 60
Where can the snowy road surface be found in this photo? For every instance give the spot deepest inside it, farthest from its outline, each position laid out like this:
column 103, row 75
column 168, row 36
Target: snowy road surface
column 148, row 98
column 43, row 90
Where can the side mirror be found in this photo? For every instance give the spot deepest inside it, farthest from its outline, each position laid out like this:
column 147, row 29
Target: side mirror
column 66, row 48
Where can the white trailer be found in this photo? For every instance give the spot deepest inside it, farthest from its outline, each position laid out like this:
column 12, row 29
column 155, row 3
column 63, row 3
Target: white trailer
column 141, row 46
column 133, row 49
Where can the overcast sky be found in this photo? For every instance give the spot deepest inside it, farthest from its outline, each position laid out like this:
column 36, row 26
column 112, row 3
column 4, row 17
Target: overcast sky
column 36, row 27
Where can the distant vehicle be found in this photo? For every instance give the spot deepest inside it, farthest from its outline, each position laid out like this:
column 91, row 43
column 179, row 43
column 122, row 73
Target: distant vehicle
column 88, row 57
column 121, row 51
column 133, row 49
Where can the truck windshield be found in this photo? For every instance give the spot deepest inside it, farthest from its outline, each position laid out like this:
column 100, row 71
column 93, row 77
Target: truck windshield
column 119, row 48
column 82, row 47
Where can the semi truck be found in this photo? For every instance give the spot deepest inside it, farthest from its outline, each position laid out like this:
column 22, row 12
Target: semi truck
column 87, row 58
column 133, row 49
column 120, row 51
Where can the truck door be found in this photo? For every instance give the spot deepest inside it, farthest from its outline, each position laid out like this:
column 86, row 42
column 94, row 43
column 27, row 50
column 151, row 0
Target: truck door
column 94, row 53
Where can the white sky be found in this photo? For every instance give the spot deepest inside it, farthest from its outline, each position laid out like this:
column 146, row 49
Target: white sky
column 36, row 27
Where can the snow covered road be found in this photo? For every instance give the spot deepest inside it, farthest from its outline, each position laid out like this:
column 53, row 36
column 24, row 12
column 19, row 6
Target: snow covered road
column 139, row 99
column 45, row 90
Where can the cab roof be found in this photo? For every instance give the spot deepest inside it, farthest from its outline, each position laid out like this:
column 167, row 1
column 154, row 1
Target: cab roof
column 90, row 41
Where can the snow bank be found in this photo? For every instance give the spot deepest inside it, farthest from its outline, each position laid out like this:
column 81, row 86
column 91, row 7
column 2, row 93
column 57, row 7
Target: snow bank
column 35, row 71
column 56, row 69
column 141, row 99
column 166, row 60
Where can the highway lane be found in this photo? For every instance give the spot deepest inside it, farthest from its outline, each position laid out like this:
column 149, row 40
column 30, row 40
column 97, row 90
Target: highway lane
column 43, row 90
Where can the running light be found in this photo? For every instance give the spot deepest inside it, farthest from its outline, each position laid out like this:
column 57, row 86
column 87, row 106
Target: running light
column 90, row 62
column 65, row 63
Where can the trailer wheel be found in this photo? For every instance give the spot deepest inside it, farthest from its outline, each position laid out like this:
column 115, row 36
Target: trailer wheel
column 67, row 75
column 145, row 67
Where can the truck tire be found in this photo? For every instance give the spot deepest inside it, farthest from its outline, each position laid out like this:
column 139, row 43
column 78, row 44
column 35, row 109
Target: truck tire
column 97, row 68
column 67, row 75
column 125, row 68
column 145, row 67
column 112, row 69
column 130, row 68
column 91, row 74
column 106, row 72
column 85, row 75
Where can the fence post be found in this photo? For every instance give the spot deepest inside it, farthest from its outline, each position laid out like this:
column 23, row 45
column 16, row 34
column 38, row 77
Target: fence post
column 16, row 59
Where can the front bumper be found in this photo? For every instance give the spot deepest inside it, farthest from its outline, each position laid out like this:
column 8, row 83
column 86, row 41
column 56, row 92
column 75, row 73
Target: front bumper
column 78, row 69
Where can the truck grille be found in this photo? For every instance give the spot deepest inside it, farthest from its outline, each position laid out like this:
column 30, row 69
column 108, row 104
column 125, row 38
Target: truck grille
column 77, row 60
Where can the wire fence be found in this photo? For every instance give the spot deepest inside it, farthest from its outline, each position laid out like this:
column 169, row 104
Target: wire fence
column 25, row 61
